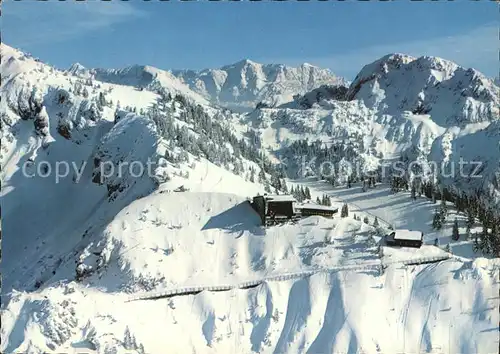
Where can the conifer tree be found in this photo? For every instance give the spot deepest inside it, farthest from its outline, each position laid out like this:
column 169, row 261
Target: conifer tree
column 252, row 175
column 284, row 186
column 483, row 243
column 375, row 222
column 455, row 233
column 302, row 194
column 436, row 221
column 475, row 245
column 469, row 223
column 345, row 211
column 307, row 193
column 262, row 176
column 495, row 240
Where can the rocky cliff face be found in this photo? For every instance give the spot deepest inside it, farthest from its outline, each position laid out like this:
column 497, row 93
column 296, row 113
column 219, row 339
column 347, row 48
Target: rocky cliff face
column 449, row 93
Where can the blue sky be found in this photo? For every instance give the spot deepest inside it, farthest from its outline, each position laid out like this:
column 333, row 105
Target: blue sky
column 342, row 36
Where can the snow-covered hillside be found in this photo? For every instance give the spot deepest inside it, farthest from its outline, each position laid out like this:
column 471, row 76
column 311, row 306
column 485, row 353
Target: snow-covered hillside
column 67, row 149
column 92, row 245
column 242, row 85
column 140, row 77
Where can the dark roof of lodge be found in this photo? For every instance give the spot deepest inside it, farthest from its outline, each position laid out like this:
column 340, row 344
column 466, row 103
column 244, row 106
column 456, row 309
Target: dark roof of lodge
column 408, row 235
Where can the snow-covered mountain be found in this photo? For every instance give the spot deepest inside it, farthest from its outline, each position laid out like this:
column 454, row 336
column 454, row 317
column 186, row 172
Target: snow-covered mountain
column 426, row 109
column 451, row 94
column 140, row 77
column 89, row 240
column 242, row 85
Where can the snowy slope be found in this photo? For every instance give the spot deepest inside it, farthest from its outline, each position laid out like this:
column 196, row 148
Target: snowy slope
column 418, row 308
column 242, row 85
column 139, row 76
column 50, row 118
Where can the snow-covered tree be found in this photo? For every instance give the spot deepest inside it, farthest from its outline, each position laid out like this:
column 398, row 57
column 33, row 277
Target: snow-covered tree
column 252, row 174
column 284, row 186
column 469, row 224
column 413, row 192
column 307, row 193
column 345, row 211
column 443, row 211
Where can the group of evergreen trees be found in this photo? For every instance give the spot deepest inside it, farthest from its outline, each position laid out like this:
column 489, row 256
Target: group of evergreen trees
column 398, row 184
column 325, row 200
column 473, row 205
column 488, row 240
column 368, row 182
column 333, row 163
column 210, row 138
column 301, row 193
column 440, row 215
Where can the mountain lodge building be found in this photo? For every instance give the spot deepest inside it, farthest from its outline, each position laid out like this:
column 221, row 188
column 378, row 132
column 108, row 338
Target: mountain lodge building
column 280, row 208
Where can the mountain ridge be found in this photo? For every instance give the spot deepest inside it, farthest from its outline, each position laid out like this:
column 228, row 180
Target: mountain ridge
column 245, row 83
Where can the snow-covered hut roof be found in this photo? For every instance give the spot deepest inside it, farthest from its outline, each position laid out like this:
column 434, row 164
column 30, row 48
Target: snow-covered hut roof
column 280, row 198
column 315, row 206
column 408, row 235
